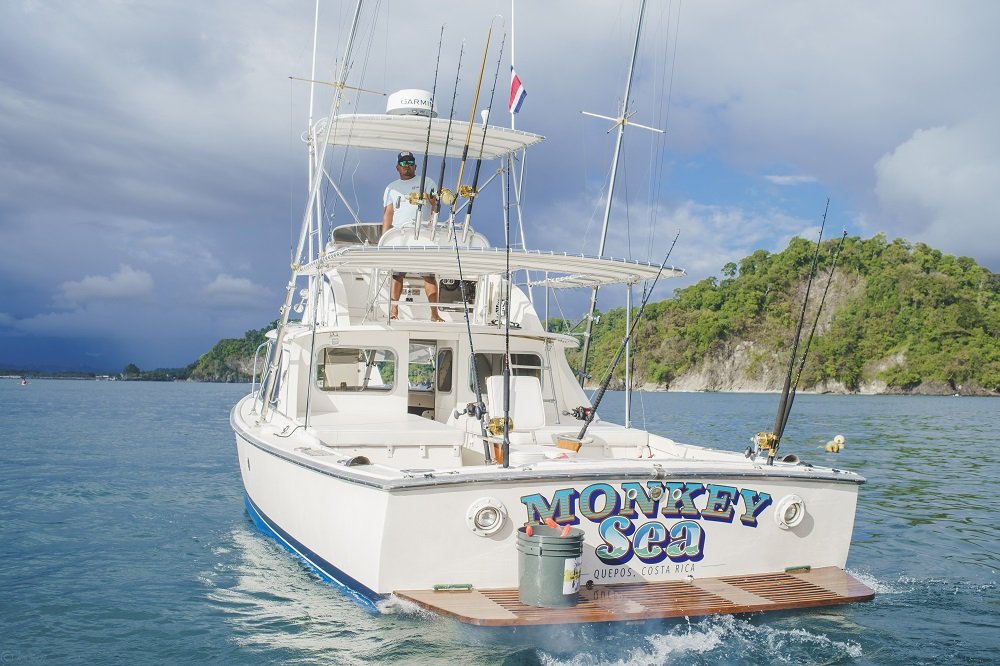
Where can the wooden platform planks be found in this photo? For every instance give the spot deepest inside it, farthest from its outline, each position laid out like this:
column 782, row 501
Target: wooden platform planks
column 656, row 600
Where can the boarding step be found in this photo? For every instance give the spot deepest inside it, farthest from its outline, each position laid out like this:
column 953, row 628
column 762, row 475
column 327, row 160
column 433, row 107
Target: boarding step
column 630, row 602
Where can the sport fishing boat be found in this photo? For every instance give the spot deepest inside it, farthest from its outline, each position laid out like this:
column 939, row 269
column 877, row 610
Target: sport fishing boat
column 433, row 460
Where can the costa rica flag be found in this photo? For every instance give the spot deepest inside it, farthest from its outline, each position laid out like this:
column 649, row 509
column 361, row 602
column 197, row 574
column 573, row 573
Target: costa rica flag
column 517, row 92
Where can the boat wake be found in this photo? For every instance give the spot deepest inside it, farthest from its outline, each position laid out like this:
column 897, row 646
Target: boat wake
column 722, row 639
column 274, row 602
column 393, row 605
column 878, row 586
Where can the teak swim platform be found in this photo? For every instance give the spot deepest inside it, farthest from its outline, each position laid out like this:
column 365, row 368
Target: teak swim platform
column 631, row 602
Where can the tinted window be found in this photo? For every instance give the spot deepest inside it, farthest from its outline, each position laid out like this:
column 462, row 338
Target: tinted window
column 356, row 369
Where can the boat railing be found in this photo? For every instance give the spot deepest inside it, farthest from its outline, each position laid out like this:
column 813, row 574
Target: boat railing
column 253, row 377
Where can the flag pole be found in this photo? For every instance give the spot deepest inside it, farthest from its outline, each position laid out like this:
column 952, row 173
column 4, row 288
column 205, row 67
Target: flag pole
column 517, row 179
column 510, row 110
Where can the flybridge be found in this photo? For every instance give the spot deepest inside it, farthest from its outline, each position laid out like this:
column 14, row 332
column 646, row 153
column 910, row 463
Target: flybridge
column 392, row 132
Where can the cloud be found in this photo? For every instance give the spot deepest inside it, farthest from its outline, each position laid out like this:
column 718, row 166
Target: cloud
column 229, row 292
column 940, row 187
column 128, row 284
column 784, row 181
column 167, row 137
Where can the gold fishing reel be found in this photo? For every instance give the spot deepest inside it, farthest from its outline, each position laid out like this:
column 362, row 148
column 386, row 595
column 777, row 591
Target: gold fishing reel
column 447, row 196
column 414, row 197
column 466, row 191
column 495, row 425
column 766, row 442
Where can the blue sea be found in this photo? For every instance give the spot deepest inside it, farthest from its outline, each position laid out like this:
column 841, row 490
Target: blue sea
column 123, row 540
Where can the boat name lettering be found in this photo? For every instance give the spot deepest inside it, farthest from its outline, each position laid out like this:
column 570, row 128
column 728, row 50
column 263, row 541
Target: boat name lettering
column 619, row 513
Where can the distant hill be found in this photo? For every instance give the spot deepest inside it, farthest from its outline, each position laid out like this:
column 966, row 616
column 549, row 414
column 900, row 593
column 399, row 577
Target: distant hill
column 231, row 359
column 899, row 318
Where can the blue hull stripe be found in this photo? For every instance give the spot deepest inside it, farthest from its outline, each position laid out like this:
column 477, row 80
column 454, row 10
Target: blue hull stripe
column 326, row 570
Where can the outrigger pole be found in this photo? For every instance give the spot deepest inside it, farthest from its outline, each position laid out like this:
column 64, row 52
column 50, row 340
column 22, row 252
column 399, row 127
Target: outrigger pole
column 621, row 121
column 274, row 357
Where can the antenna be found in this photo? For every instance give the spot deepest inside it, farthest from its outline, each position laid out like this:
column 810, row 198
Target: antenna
column 620, row 122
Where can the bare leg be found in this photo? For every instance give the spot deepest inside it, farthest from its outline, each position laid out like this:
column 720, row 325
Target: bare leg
column 431, row 289
column 397, row 291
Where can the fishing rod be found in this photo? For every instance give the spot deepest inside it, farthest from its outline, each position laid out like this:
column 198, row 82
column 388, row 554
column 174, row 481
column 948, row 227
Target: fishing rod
column 482, row 144
column 476, row 409
column 768, row 441
column 468, row 132
column 812, row 332
column 427, row 145
column 506, row 312
column 621, row 349
column 445, row 195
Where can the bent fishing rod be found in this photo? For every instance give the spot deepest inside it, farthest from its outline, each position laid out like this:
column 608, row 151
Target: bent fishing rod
column 621, row 349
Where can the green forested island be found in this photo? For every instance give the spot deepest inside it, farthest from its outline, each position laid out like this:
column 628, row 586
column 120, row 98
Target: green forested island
column 898, row 318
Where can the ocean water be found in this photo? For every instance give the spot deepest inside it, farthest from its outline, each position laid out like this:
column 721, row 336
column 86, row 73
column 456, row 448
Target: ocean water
column 123, row 540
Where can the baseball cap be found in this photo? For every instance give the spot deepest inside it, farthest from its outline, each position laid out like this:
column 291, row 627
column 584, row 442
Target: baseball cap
column 405, row 155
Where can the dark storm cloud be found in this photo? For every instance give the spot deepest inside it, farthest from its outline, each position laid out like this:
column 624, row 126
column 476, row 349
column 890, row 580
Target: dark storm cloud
column 152, row 177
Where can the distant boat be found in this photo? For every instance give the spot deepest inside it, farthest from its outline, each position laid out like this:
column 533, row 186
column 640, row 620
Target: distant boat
column 418, row 456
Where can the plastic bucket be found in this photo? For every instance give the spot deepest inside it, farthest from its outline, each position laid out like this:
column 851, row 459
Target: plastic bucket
column 548, row 566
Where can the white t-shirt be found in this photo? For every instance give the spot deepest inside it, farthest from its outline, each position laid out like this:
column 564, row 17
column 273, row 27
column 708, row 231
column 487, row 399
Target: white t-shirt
column 397, row 193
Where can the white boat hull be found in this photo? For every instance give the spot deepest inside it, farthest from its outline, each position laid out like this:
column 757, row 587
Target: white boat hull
column 375, row 540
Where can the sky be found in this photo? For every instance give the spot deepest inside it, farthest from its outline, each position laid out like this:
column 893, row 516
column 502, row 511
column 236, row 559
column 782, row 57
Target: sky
column 152, row 174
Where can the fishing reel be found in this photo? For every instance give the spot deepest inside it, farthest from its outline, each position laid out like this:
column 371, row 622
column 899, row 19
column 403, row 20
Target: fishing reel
column 474, row 409
column 580, row 413
column 499, row 323
column 495, row 425
column 414, row 197
column 766, row 442
column 466, row 191
column 447, row 196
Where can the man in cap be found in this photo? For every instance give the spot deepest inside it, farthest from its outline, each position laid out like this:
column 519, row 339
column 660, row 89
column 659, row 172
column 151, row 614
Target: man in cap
column 399, row 212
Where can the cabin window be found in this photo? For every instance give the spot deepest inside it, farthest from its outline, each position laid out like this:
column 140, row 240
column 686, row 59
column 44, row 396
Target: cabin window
column 421, row 370
column 356, row 369
column 445, row 366
column 492, row 364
